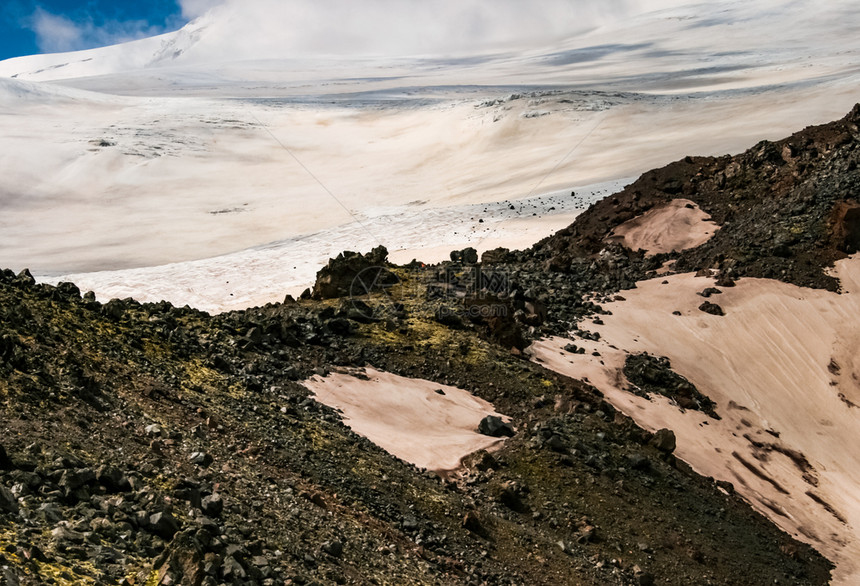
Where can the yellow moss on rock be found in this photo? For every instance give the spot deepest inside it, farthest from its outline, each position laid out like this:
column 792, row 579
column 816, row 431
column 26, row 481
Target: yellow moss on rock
column 198, row 374
column 45, row 572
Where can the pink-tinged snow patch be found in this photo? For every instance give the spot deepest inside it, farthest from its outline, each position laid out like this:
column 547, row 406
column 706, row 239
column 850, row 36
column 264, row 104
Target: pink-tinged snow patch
column 675, row 226
column 783, row 369
column 429, row 425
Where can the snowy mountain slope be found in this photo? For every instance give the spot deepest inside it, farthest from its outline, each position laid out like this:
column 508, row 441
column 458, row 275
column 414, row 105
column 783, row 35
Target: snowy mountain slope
column 733, row 44
column 20, row 94
column 146, row 53
column 228, row 139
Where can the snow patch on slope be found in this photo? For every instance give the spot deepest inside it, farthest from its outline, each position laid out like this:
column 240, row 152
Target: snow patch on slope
column 782, row 368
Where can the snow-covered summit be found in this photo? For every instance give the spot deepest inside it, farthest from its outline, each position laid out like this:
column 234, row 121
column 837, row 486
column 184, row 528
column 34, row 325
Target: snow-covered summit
column 637, row 44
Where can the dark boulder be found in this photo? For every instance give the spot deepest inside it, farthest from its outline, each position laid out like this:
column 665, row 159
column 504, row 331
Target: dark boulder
column 472, row 523
column 638, row 462
column 68, row 291
column 494, row 427
column 25, row 279
column 164, row 525
column 725, row 281
column 495, row 256
column 339, row 326
column 512, row 495
column 574, row 349
column 468, row 256
column 213, row 505
column 200, row 459
column 111, row 478
column 8, row 502
column 712, row 308
column 354, row 274
column 449, row 318
column 114, row 309
column 183, row 562
column 664, row 440
column 498, row 320
column 72, row 480
column 5, row 462
column 333, row 548
column 709, row 292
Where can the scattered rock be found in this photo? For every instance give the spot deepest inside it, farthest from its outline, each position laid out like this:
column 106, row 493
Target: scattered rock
column 651, row 374
column 710, row 291
column 574, row 349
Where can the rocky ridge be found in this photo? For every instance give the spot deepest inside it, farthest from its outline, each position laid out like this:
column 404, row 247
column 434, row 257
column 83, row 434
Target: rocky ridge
column 149, row 444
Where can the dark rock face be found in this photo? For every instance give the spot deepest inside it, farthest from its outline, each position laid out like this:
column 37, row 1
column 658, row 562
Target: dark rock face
column 788, row 209
column 292, row 496
column 494, row 427
column 846, row 227
column 498, row 319
column 496, row 255
column 183, row 562
column 339, row 277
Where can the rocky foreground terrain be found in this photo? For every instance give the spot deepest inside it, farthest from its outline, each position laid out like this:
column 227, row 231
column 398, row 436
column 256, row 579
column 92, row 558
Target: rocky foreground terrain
column 148, row 444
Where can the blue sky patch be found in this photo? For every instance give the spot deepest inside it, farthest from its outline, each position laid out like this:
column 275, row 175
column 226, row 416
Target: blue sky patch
column 50, row 26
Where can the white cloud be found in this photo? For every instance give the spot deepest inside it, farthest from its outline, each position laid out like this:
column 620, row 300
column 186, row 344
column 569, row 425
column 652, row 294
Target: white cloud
column 56, row 34
column 195, row 8
column 287, row 28
column 280, row 28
